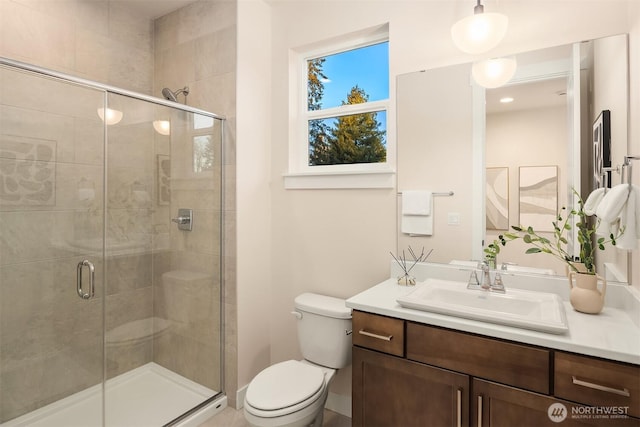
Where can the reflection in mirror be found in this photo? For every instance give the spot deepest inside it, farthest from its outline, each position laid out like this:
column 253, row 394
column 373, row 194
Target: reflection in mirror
column 557, row 95
column 527, row 134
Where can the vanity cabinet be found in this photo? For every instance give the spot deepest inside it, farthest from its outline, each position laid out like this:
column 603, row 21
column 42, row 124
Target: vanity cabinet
column 498, row 405
column 412, row 374
column 393, row 391
column 597, row 382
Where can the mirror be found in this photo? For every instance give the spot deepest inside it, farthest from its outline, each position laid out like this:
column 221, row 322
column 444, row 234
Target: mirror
column 458, row 136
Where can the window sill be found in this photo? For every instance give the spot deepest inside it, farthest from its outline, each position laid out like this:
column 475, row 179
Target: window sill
column 339, row 180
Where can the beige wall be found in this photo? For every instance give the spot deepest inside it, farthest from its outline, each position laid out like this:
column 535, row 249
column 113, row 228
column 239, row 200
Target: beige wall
column 610, row 92
column 516, row 139
column 634, row 113
column 255, row 297
column 431, row 137
column 337, row 241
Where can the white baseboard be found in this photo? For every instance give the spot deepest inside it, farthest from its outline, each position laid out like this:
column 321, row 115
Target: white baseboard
column 240, row 396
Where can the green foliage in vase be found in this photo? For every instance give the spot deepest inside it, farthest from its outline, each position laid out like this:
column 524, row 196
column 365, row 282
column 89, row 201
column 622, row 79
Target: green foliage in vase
column 557, row 244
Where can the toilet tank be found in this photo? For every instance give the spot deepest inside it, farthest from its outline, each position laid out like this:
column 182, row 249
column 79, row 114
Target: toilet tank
column 324, row 330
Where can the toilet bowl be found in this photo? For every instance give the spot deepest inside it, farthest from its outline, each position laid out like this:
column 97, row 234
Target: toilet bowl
column 288, row 394
column 293, row 393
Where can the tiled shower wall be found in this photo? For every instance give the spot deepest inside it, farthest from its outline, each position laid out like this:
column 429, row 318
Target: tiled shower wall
column 50, row 340
column 94, row 39
column 196, row 47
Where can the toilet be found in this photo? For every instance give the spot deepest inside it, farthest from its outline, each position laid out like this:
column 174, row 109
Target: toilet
column 293, row 393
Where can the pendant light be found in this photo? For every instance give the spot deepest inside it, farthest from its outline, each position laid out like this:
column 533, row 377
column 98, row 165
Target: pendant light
column 492, row 73
column 163, row 127
column 110, row 116
column 480, row 32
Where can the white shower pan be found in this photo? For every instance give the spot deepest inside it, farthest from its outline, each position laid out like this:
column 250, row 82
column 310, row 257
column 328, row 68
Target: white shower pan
column 148, row 396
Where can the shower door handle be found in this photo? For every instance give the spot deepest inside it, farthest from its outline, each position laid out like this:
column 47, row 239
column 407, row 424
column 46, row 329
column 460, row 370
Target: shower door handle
column 92, row 274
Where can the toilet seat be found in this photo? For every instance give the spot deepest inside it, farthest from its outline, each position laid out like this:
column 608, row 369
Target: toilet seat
column 284, row 388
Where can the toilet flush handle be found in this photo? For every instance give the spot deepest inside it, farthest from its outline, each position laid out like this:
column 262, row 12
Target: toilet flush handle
column 297, row 314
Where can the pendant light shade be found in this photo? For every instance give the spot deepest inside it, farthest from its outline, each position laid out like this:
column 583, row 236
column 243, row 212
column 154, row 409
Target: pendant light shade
column 493, row 73
column 480, row 32
column 163, row 127
column 110, row 116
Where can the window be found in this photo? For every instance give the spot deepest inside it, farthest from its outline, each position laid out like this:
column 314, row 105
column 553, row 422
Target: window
column 342, row 115
column 203, row 145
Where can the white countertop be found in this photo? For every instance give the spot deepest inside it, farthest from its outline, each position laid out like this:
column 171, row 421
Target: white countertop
column 612, row 334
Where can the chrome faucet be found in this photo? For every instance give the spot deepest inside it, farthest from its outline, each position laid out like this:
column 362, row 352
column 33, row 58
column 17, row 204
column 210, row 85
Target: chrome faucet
column 484, row 283
column 498, row 285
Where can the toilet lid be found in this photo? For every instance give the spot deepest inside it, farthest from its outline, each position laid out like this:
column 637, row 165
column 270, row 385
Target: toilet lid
column 284, row 384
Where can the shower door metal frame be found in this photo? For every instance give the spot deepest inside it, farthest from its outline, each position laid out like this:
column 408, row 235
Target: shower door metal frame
column 175, row 105
column 105, row 87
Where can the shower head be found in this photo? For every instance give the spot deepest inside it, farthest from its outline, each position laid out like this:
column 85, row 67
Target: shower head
column 172, row 96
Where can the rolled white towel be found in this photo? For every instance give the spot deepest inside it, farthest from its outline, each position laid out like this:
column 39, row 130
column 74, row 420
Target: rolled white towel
column 629, row 219
column 610, row 207
column 593, row 201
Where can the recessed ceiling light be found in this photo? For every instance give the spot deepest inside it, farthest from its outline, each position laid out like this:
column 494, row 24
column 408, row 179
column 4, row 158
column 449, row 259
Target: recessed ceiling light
column 506, row 100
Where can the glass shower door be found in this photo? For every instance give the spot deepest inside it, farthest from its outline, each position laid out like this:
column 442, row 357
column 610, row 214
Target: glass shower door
column 163, row 272
column 51, row 233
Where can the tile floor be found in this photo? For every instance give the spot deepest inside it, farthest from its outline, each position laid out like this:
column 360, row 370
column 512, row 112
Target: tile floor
column 229, row 417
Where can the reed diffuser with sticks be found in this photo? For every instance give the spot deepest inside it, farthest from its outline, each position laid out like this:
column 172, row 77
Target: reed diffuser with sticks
column 407, row 279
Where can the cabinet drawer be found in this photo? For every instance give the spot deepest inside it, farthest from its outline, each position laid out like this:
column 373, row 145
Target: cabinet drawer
column 508, row 363
column 597, row 382
column 378, row 333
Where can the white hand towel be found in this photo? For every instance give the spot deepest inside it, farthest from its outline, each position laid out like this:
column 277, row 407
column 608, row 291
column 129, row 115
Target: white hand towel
column 592, row 202
column 416, row 213
column 416, row 202
column 614, row 200
column 629, row 220
column 417, row 225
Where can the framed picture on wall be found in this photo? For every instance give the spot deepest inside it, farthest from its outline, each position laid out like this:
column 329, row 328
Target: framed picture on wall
column 538, row 197
column 497, row 203
column 602, row 149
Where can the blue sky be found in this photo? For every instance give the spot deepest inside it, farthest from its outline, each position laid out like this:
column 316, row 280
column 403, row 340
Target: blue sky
column 366, row 67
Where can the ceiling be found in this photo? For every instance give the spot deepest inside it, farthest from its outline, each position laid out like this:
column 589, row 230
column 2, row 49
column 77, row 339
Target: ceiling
column 530, row 95
column 152, row 9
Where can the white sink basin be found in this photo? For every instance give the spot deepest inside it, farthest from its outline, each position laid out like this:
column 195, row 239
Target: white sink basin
column 539, row 311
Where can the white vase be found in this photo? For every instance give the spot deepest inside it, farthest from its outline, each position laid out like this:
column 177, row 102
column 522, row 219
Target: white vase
column 585, row 296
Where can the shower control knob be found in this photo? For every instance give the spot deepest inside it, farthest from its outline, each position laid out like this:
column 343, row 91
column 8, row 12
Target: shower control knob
column 181, row 220
column 184, row 219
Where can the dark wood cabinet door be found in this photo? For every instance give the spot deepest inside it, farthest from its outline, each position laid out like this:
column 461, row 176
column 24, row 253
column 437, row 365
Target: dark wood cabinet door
column 391, row 392
column 497, row 405
column 597, row 382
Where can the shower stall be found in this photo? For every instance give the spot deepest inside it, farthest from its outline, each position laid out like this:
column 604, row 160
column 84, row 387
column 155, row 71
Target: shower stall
column 111, row 245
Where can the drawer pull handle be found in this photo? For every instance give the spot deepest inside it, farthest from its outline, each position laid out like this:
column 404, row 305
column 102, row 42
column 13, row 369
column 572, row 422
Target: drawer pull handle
column 480, row 411
column 376, row 336
column 624, row 392
column 459, row 407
